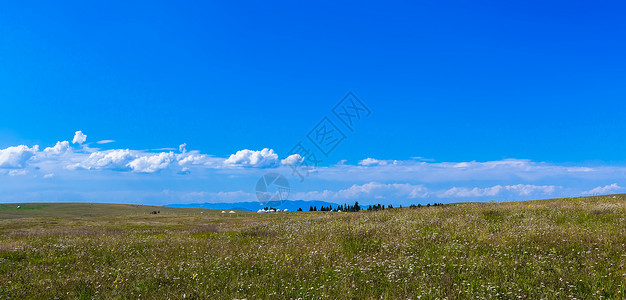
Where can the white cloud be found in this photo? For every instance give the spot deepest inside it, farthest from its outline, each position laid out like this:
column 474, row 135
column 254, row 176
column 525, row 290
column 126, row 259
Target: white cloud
column 17, row 172
column 59, row 148
column 112, row 159
column 376, row 162
column 372, row 190
column 16, row 157
column 420, row 158
column 126, row 160
column 250, row 158
column 195, row 158
column 104, row 141
column 474, row 192
column 152, row 163
column 511, row 179
column 603, row 189
column 520, row 189
column 506, row 171
column 527, row 189
column 375, row 189
column 404, row 191
column 293, row 159
column 79, row 137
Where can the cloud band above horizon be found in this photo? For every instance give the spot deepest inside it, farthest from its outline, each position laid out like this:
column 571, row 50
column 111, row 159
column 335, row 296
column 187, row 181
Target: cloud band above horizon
column 26, row 168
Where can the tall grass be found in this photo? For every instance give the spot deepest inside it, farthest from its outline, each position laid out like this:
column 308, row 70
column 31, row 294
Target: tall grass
column 551, row 249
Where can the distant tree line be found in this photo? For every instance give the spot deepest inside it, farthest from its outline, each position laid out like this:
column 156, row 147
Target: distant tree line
column 382, row 207
column 356, row 207
column 343, row 208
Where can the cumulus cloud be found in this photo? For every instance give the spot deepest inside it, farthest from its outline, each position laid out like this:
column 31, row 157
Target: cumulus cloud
column 79, row 137
column 191, row 158
column 293, row 159
column 112, row 159
column 520, row 189
column 16, row 157
column 250, row 158
column 59, row 148
column 376, row 162
column 603, row 189
column 395, row 181
column 152, row 163
column 194, row 158
column 126, row 160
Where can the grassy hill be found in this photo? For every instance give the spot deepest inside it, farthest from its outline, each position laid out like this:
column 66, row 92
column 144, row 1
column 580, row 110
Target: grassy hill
column 548, row 249
column 64, row 210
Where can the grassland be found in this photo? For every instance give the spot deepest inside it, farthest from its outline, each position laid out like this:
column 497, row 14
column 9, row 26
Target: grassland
column 74, row 210
column 549, row 249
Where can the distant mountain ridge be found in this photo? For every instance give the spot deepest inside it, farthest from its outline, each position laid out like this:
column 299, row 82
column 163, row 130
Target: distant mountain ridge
column 291, row 205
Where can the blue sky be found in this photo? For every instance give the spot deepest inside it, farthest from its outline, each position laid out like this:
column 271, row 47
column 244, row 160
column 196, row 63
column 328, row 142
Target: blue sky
column 468, row 101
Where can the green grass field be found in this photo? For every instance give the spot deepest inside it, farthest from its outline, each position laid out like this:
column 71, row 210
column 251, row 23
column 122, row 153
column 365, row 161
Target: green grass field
column 548, row 249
